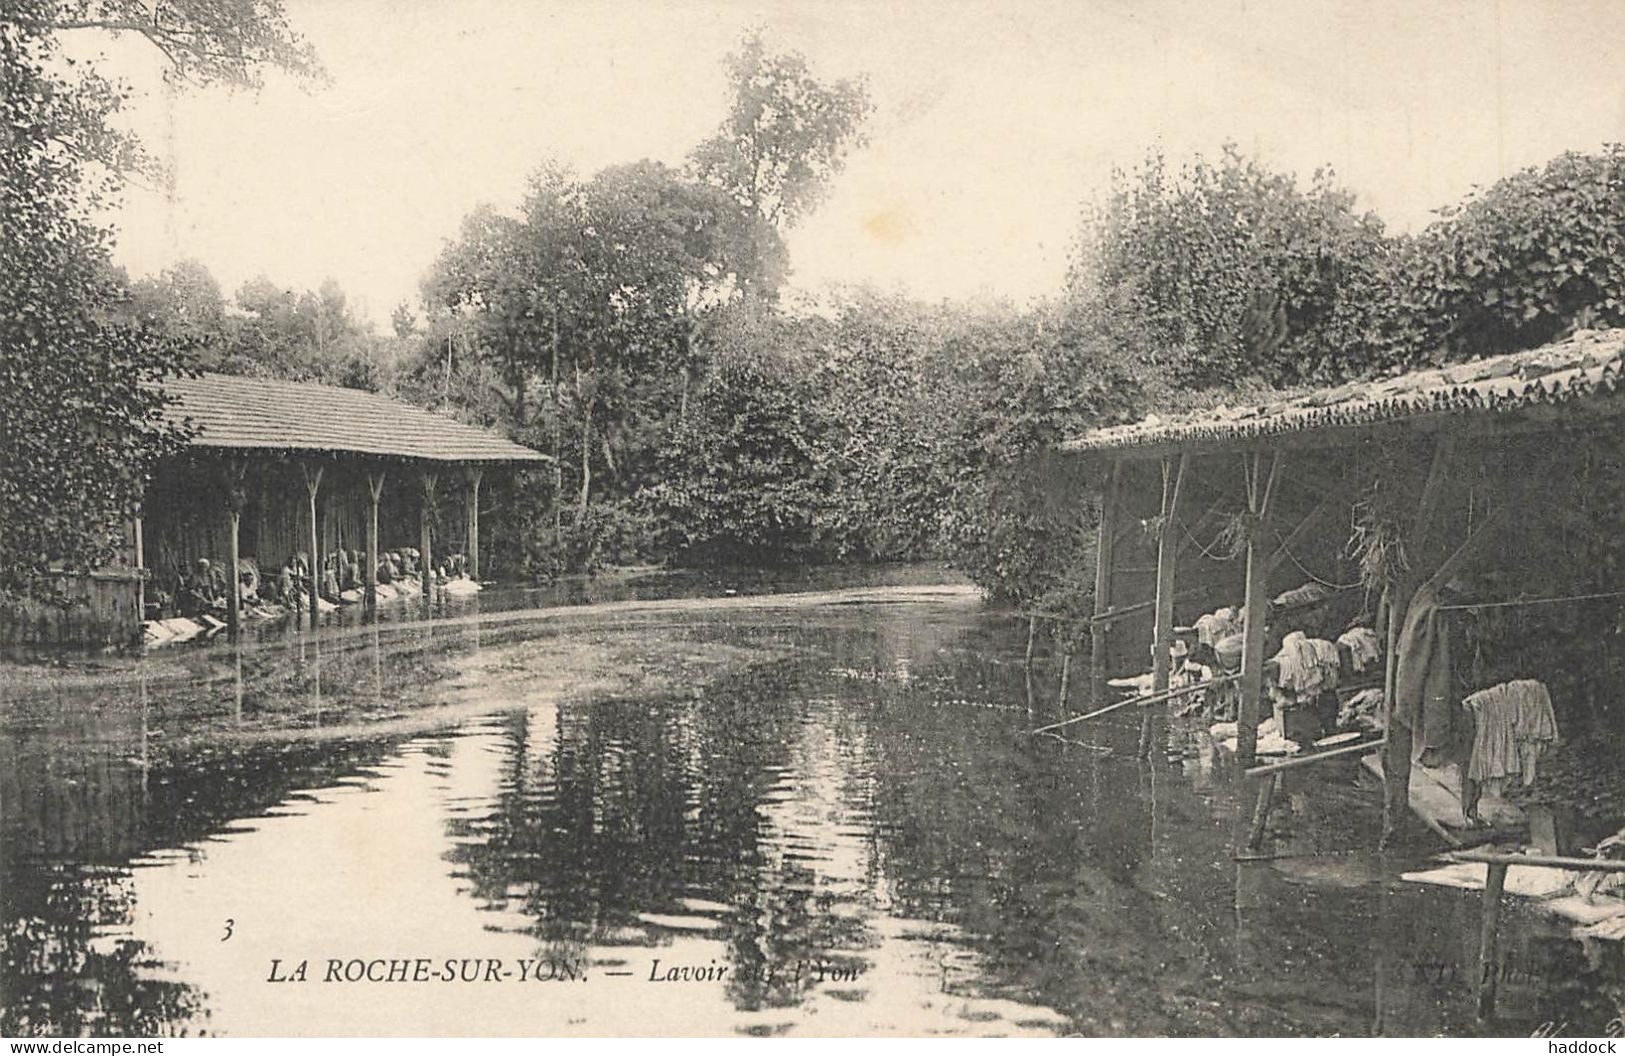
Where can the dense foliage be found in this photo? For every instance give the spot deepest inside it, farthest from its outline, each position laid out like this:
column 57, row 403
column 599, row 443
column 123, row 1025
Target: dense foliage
column 629, row 322
column 79, row 399
column 1529, row 260
column 866, row 427
column 1189, row 253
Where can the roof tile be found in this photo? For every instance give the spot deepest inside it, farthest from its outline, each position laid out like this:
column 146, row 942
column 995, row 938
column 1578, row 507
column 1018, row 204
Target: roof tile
column 238, row 413
column 1588, row 364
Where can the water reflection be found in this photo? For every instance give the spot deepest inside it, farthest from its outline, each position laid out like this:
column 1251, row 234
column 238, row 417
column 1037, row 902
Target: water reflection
column 857, row 831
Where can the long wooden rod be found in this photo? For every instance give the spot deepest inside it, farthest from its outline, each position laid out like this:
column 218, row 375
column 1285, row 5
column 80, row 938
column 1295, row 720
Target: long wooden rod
column 1148, row 698
column 1312, row 757
column 1551, row 861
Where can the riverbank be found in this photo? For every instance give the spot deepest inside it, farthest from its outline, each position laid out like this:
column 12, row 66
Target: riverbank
column 832, row 793
column 411, row 676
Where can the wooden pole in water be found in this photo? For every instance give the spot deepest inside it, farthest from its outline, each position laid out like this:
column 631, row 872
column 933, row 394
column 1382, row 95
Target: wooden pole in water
column 1162, row 634
column 138, row 545
column 1257, row 602
column 375, row 490
column 475, row 473
column 234, row 515
column 1105, row 548
column 234, row 600
column 1145, row 698
column 1162, row 644
column 426, row 556
column 1261, row 810
column 1487, row 966
column 313, row 483
column 1396, row 748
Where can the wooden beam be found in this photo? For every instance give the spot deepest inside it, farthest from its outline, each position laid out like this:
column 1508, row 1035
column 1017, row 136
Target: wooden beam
column 426, row 543
column 1310, row 522
column 1162, row 641
column 1397, row 750
column 375, row 490
column 1427, row 509
column 1261, row 812
column 1545, row 861
column 137, row 530
column 1209, row 515
column 472, row 513
column 1259, row 502
column 1487, row 966
column 235, row 500
column 1167, row 547
column 1294, row 762
column 313, row 482
column 1105, row 553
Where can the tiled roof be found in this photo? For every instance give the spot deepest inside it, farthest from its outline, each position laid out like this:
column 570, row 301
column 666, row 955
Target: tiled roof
column 258, row 414
column 1588, row 366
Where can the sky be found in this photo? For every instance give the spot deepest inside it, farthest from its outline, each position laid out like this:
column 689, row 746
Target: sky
column 994, row 122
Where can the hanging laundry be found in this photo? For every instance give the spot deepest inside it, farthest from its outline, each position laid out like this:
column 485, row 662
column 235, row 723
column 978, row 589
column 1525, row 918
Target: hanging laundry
column 1495, row 741
column 1362, row 709
column 1423, row 695
column 1536, row 723
column 1304, row 669
column 1514, row 724
column 1213, row 626
column 1308, row 594
column 1365, row 649
column 1329, row 660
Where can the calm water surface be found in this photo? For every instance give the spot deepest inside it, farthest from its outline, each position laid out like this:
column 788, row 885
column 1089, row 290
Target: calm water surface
column 851, row 835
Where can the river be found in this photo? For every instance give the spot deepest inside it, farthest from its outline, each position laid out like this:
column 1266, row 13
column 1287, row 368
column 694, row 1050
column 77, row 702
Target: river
column 805, row 814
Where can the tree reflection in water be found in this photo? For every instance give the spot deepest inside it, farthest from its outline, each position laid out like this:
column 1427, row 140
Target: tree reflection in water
column 868, row 802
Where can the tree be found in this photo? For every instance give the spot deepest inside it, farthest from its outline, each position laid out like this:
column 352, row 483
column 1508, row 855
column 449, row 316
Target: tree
column 787, row 134
column 590, row 295
column 184, row 302
column 228, row 42
column 80, row 380
column 1536, row 256
column 402, row 321
column 1194, row 255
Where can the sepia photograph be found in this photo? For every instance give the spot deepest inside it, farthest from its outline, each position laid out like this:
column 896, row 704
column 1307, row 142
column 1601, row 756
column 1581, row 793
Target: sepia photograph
column 583, row 519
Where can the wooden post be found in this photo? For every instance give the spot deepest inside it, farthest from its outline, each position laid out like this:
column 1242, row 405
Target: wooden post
column 375, row 491
column 140, row 570
column 235, row 499
column 1162, row 644
column 1257, row 602
column 1396, row 742
column 234, row 601
column 1399, row 742
column 1105, row 550
column 472, row 514
column 1488, row 969
column 1267, row 791
column 426, row 557
column 313, row 483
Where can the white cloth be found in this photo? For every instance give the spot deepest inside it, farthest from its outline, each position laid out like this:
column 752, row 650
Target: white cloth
column 1363, row 645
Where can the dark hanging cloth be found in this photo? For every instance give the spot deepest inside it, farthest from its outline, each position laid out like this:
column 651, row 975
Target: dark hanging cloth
column 1426, row 696
column 1424, row 687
